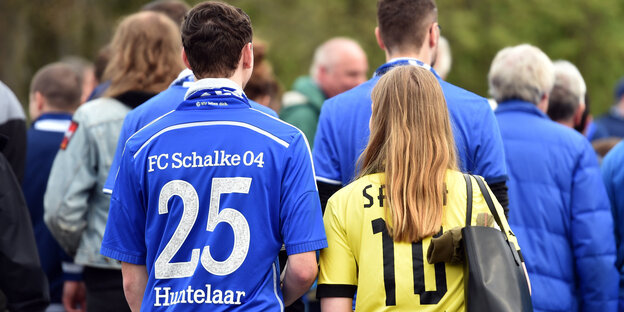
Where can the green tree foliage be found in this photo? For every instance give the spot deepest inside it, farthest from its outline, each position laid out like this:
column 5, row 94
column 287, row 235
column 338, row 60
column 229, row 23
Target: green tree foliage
column 587, row 33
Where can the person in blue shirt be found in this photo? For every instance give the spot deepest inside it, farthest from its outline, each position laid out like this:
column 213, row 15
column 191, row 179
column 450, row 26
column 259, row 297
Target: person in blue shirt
column 408, row 32
column 208, row 194
column 54, row 96
column 611, row 124
column 162, row 103
column 613, row 177
column 559, row 209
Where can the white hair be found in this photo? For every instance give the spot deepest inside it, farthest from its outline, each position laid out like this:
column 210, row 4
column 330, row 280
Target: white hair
column 569, row 77
column 444, row 58
column 522, row 72
column 328, row 54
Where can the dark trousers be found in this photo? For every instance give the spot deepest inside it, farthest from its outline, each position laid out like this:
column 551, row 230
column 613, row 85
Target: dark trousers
column 104, row 290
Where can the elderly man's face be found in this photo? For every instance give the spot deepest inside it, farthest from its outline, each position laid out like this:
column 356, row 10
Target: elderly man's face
column 348, row 72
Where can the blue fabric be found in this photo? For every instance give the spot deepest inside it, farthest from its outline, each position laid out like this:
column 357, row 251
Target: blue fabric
column 608, row 125
column 42, row 145
column 559, row 211
column 613, row 176
column 155, row 107
column 343, row 131
column 280, row 204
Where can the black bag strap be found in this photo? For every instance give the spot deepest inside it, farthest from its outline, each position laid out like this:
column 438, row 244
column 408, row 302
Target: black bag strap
column 468, row 199
column 490, row 203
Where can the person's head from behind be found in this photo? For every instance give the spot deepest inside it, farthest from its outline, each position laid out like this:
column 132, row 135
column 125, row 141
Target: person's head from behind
column 566, row 102
column 145, row 54
column 86, row 73
column 618, row 94
column 339, row 65
column 174, row 9
column 217, row 42
column 408, row 28
column 412, row 142
column 54, row 88
column 523, row 73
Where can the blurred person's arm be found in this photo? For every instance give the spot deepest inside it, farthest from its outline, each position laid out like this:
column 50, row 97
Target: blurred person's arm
column 299, row 275
column 74, row 290
column 74, row 296
column 134, row 283
column 326, row 161
column 72, row 180
column 500, row 192
column 336, row 304
column 489, row 156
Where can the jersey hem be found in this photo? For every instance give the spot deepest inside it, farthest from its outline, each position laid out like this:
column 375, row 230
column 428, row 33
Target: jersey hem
column 329, row 181
column 305, row 247
column 498, row 179
column 122, row 256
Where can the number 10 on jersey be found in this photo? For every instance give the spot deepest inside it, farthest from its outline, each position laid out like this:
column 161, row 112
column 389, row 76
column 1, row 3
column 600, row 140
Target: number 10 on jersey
column 163, row 266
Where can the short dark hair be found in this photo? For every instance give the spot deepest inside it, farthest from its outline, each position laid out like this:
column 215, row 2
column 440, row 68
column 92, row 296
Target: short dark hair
column 174, row 9
column 59, row 84
column 404, row 23
column 562, row 104
column 213, row 36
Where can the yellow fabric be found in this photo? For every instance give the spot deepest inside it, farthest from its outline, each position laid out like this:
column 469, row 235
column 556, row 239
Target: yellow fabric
column 355, row 253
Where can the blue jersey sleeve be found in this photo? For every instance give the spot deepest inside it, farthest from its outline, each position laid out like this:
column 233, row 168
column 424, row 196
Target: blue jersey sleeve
column 489, row 156
column 127, row 130
column 124, row 237
column 301, row 220
column 326, row 162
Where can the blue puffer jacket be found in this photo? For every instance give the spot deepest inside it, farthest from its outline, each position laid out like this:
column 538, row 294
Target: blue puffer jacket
column 613, row 176
column 559, row 211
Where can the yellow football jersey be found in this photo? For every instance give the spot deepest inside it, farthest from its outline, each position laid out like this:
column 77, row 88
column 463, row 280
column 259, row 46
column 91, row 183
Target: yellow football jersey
column 389, row 275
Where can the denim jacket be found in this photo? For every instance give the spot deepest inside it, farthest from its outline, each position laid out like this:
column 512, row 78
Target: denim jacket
column 75, row 208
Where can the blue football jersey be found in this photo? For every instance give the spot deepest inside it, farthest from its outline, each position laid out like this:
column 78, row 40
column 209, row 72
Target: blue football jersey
column 153, row 108
column 343, row 131
column 205, row 198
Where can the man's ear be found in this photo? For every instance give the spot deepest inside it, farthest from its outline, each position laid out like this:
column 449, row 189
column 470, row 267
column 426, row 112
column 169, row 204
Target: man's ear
column 578, row 115
column 185, row 60
column 39, row 101
column 434, row 34
column 247, row 56
column 543, row 103
column 379, row 40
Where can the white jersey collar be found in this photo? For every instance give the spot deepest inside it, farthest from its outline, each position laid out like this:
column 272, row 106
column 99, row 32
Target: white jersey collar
column 214, row 83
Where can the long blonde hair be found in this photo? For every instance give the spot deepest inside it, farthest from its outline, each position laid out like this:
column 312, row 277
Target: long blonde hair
column 146, row 54
column 412, row 143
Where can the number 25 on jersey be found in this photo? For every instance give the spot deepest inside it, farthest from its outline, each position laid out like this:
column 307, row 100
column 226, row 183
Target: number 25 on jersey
column 163, row 266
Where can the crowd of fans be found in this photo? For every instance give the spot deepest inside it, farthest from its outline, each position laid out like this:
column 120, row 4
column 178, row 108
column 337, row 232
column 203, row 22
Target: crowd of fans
column 401, row 136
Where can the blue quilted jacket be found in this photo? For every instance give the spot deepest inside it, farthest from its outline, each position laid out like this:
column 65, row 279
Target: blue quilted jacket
column 559, row 211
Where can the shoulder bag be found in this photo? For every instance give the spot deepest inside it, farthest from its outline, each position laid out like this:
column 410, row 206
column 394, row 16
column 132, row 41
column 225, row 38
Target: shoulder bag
column 494, row 277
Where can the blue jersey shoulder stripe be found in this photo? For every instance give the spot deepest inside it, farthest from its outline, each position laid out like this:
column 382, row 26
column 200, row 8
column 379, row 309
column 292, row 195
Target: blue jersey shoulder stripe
column 213, row 123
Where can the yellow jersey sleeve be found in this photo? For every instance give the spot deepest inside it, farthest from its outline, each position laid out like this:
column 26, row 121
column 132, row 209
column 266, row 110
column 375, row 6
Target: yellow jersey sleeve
column 338, row 267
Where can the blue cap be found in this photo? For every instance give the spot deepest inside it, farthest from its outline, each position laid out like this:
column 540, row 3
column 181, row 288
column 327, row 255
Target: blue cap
column 618, row 92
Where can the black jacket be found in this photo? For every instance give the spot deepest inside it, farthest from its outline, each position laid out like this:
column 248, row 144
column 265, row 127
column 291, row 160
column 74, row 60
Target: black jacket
column 23, row 285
